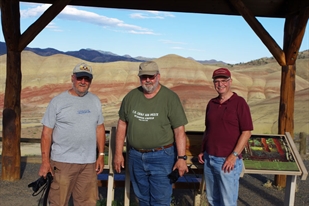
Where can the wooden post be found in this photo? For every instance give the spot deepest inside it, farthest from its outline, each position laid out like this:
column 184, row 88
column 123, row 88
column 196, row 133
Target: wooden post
column 11, row 110
column 15, row 43
column 302, row 143
column 294, row 30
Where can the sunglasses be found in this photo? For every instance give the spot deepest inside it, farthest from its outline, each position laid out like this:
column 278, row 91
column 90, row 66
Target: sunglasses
column 150, row 77
column 87, row 79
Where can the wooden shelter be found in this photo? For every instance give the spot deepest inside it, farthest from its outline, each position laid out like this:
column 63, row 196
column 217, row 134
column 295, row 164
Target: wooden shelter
column 295, row 13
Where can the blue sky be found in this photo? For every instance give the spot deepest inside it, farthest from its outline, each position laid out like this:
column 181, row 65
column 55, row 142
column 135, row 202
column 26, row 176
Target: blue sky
column 154, row 33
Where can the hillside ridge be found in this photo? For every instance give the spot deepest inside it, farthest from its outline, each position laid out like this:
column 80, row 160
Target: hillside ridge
column 43, row 77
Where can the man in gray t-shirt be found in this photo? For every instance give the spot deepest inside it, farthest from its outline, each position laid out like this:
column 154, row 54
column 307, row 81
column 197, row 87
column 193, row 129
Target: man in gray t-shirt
column 72, row 131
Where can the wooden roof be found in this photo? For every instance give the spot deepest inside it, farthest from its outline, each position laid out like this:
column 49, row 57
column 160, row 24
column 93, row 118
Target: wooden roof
column 260, row 8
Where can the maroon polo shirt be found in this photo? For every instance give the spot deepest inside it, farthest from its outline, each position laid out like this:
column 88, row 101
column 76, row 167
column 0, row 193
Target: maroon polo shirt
column 224, row 125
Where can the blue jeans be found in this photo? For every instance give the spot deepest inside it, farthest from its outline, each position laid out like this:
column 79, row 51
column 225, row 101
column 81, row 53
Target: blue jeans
column 149, row 176
column 221, row 188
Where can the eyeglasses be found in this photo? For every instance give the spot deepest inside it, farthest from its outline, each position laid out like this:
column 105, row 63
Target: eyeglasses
column 222, row 81
column 87, row 79
column 150, row 77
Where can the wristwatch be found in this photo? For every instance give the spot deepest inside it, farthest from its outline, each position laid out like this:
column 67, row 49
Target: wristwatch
column 235, row 154
column 182, row 157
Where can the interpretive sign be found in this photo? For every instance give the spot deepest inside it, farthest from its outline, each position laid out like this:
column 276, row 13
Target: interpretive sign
column 272, row 154
column 269, row 153
column 278, row 155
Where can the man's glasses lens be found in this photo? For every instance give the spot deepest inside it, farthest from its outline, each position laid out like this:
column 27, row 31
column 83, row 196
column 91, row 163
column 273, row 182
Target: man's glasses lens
column 151, row 77
column 222, row 81
column 87, row 79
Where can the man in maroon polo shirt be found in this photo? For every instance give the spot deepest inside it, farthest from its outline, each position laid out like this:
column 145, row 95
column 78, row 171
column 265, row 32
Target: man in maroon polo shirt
column 228, row 127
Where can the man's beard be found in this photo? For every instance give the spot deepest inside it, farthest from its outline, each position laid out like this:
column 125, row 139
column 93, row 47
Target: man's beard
column 80, row 94
column 150, row 88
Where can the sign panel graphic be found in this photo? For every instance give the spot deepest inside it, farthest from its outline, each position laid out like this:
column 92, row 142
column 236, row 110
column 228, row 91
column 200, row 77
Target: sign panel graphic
column 270, row 153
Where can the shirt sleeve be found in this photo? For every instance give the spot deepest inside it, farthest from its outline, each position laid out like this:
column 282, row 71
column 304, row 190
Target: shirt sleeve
column 244, row 114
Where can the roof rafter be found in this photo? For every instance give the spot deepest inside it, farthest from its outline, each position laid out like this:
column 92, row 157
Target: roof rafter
column 260, row 8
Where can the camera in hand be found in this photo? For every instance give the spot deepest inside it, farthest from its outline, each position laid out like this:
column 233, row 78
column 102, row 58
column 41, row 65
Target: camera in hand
column 36, row 185
column 174, row 175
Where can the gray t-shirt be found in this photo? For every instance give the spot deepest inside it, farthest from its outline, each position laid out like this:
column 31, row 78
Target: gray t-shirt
column 74, row 121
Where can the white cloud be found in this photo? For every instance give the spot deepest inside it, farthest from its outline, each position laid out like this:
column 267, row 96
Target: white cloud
column 161, row 13
column 151, row 15
column 143, row 32
column 53, row 27
column 144, row 16
column 34, row 11
column 74, row 14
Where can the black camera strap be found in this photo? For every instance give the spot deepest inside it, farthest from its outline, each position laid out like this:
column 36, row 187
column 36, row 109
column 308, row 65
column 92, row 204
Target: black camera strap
column 44, row 190
column 47, row 188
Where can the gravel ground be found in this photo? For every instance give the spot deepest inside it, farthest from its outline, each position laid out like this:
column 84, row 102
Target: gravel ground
column 252, row 190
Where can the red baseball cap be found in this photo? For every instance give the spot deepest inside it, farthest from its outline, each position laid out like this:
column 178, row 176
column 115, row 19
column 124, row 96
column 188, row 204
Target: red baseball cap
column 221, row 72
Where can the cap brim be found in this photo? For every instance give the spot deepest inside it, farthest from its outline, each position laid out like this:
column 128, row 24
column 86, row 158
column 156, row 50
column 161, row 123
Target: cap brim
column 224, row 76
column 147, row 73
column 83, row 74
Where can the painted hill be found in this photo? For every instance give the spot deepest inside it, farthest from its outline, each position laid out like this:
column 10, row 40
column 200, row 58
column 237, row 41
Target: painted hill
column 46, row 76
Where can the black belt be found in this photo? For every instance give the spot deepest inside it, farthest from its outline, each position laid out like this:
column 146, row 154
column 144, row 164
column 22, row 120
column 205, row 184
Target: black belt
column 153, row 150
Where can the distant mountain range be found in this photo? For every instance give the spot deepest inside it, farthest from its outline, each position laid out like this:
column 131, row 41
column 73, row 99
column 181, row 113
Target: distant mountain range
column 95, row 55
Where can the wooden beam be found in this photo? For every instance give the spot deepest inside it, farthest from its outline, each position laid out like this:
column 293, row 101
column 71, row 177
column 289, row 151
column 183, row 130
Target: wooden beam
column 294, row 30
column 295, row 6
column 34, row 29
column 262, row 8
column 286, row 109
column 257, row 27
column 11, row 109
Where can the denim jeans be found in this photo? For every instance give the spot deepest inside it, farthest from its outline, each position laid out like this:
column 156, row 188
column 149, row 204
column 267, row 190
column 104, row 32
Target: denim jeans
column 149, row 176
column 221, row 188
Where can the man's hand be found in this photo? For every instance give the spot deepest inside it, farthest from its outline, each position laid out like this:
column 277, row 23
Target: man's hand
column 229, row 163
column 201, row 158
column 44, row 169
column 120, row 139
column 182, row 167
column 99, row 165
column 118, row 162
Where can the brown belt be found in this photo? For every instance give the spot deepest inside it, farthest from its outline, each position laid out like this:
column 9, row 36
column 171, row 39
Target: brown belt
column 155, row 149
